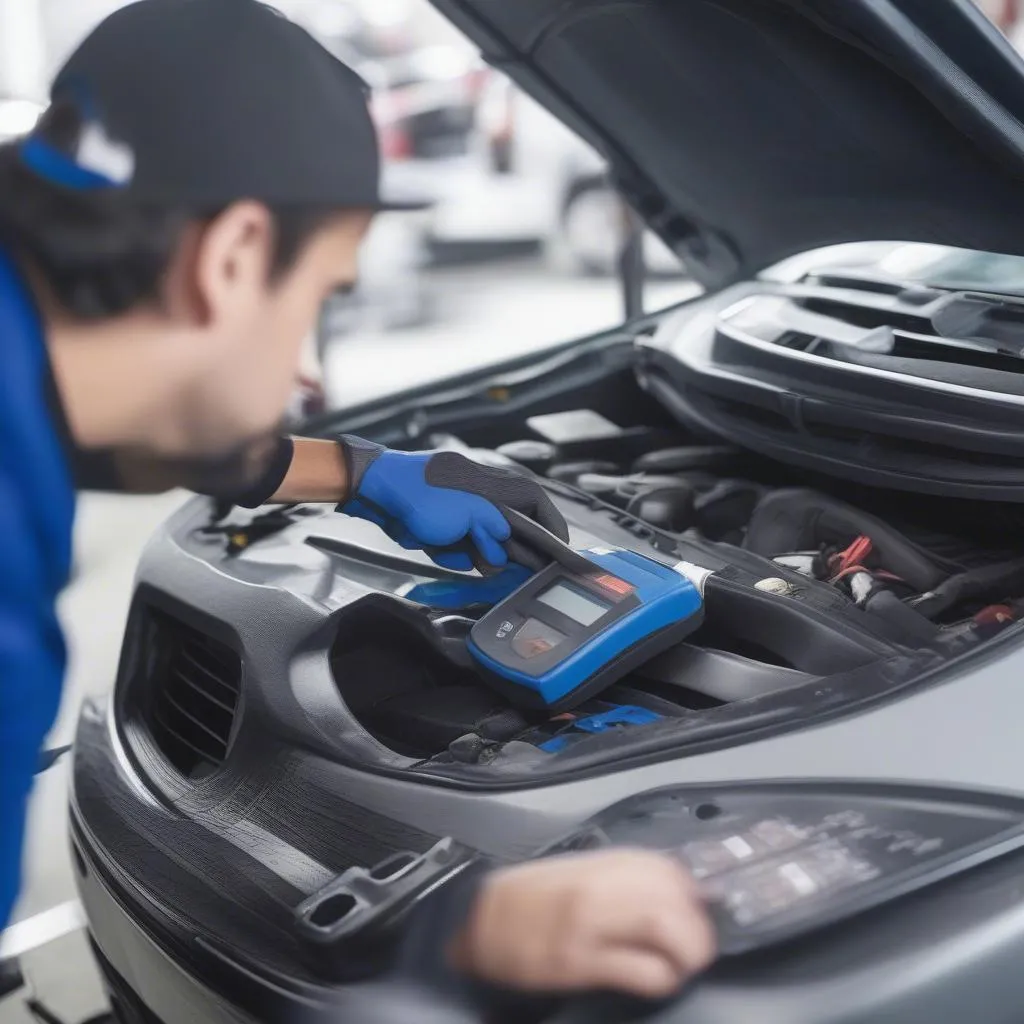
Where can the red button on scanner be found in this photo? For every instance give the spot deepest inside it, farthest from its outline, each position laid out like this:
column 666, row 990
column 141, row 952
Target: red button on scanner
column 614, row 584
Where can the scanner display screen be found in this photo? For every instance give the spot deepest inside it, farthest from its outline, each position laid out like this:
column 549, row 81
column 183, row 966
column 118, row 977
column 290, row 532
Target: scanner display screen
column 569, row 601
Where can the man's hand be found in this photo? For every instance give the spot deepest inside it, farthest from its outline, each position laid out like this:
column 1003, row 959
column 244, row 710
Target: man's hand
column 437, row 500
column 622, row 920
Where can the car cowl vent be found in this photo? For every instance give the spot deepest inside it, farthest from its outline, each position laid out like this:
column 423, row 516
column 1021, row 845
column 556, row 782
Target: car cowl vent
column 965, row 339
column 191, row 694
column 918, row 389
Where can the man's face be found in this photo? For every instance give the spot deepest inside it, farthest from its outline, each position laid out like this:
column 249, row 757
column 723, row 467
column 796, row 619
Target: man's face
column 246, row 328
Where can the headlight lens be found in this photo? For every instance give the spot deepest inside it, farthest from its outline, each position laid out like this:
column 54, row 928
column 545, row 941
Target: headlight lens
column 779, row 860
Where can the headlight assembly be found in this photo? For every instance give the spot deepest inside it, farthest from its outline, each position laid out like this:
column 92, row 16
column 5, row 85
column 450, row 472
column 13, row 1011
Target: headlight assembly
column 778, row 860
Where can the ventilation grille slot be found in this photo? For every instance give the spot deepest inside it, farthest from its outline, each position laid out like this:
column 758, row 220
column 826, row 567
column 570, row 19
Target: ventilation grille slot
column 193, row 690
column 853, row 283
column 961, row 338
column 868, row 317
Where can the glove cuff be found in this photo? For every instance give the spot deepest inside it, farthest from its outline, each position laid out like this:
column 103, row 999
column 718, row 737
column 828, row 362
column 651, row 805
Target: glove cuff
column 359, row 455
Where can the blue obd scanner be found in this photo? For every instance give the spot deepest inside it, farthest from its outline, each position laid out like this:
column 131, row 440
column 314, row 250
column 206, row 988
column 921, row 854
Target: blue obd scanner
column 581, row 624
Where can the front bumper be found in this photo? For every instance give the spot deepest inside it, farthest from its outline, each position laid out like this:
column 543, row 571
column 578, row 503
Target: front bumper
column 949, row 953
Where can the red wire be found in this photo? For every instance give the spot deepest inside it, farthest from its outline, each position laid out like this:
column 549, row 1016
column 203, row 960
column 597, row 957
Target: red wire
column 849, row 571
column 842, row 563
column 878, row 574
column 851, row 561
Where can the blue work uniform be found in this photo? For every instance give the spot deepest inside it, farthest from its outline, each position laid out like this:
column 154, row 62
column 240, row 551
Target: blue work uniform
column 37, row 508
column 39, row 466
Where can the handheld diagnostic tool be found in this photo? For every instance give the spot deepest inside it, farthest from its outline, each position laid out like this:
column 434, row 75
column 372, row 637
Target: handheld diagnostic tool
column 582, row 623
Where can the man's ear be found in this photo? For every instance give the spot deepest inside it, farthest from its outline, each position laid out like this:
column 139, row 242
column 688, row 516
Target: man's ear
column 232, row 260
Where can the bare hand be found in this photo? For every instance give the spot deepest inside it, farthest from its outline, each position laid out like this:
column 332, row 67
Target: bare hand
column 623, row 920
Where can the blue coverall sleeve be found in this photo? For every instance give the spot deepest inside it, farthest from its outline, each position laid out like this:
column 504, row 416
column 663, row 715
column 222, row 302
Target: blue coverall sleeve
column 31, row 671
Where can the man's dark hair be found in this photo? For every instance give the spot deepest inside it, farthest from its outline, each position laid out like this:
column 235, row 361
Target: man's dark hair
column 100, row 252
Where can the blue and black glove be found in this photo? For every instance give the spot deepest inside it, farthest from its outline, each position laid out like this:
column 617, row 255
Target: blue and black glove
column 444, row 503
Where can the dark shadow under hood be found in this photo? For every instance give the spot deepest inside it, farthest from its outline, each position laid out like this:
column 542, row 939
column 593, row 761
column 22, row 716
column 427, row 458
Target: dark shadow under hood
column 746, row 131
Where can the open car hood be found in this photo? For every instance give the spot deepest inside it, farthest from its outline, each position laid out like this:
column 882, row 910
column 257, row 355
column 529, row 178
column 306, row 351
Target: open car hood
column 745, row 131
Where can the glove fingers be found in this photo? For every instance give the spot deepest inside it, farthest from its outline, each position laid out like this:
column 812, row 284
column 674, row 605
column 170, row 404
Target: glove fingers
column 452, row 471
column 547, row 515
column 491, row 518
column 442, row 499
column 457, row 561
column 444, row 525
column 488, row 545
column 522, row 555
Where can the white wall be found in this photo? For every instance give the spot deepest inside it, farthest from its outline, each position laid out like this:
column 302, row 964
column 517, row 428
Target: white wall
column 23, row 68
column 67, row 22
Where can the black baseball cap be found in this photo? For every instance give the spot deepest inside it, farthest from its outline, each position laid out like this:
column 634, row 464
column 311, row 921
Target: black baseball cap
column 206, row 102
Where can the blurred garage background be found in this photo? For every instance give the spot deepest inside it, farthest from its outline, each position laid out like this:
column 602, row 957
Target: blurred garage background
column 518, row 206
column 516, row 249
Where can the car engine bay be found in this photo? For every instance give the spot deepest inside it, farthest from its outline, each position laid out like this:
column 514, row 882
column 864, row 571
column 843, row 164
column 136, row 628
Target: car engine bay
column 802, row 587
column 818, row 595
column 298, row 689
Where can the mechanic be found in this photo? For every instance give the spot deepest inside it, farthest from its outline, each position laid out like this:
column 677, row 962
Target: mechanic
column 199, row 185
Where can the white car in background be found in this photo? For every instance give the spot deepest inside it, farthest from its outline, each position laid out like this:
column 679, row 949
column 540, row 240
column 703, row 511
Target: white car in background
column 528, row 179
column 392, row 293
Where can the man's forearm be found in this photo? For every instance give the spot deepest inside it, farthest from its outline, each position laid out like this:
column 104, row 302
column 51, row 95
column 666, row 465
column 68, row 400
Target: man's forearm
column 318, row 472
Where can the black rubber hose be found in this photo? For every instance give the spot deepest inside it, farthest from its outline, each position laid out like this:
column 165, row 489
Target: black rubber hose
column 919, row 630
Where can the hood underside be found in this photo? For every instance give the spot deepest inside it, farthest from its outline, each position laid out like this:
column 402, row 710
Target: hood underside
column 745, row 131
